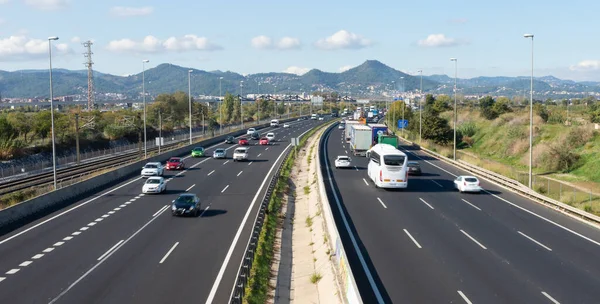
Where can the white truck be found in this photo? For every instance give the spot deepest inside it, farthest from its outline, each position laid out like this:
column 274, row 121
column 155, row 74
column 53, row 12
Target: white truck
column 314, row 117
column 346, row 132
column 360, row 139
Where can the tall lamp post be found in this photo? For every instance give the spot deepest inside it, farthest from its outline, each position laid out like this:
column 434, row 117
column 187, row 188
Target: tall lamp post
column 454, row 120
column 258, row 103
column 220, row 107
column 52, row 112
column 144, row 98
column 530, row 115
column 391, row 106
column 274, row 102
column 241, row 103
column 421, row 108
column 190, row 101
column 403, row 103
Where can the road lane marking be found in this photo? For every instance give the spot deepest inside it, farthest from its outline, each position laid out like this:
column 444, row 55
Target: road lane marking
column 99, row 219
column 225, row 162
column 160, row 210
column 13, row 271
column 58, row 244
column 117, row 209
column 464, row 200
column 437, row 183
column 190, row 188
column 25, row 264
column 2, row 279
column 355, row 167
column 224, row 188
column 250, row 163
column 168, row 253
column 109, row 250
column 346, row 151
column 132, row 200
column 68, row 238
column 111, row 212
column 267, row 149
column 91, row 224
column 37, row 256
column 412, row 238
column 127, row 203
column 550, row 298
column 211, row 172
column 122, row 206
column 365, row 182
column 76, row 232
column 84, row 228
column 207, row 207
column 47, row 250
column 464, row 297
column 240, row 173
column 426, row 203
column 473, row 239
column 384, row 206
column 533, row 240
column 258, row 155
column 106, row 215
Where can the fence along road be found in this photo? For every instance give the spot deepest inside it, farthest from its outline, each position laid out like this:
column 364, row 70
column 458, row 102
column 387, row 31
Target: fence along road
column 431, row 244
column 125, row 247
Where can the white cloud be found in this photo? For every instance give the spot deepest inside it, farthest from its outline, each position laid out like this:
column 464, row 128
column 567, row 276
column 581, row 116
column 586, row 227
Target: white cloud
column 345, row 68
column 151, row 44
column 343, row 40
column 261, row 42
column 288, row 43
column 296, row 70
column 121, row 11
column 25, row 48
column 48, row 5
column 75, row 39
column 586, row 65
column 439, row 40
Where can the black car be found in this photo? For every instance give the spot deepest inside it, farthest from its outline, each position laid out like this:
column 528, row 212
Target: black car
column 413, row 168
column 230, row 140
column 186, row 204
column 255, row 136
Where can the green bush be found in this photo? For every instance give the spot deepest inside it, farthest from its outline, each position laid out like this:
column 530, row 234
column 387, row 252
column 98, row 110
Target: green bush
column 468, row 129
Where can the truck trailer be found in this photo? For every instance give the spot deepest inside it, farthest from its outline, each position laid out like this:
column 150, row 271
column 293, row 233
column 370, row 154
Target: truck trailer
column 349, row 124
column 378, row 129
column 388, row 139
column 360, row 139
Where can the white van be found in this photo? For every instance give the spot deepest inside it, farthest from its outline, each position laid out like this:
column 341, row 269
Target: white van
column 274, row 123
column 240, row 154
column 313, row 117
column 387, row 167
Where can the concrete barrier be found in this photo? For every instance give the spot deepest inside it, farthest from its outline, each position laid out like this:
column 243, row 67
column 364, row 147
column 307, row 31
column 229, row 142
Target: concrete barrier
column 30, row 210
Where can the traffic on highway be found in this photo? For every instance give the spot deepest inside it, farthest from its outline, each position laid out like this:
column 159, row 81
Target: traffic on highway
column 174, row 234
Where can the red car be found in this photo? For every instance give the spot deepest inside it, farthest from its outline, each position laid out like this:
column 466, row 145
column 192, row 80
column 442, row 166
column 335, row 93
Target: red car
column 243, row 142
column 263, row 141
column 175, row 163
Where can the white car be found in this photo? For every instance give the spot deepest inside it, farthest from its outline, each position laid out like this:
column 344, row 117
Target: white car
column 271, row 136
column 321, row 118
column 240, row 154
column 250, row 131
column 341, row 126
column 466, row 183
column 153, row 169
column 286, row 125
column 342, row 161
column 154, row 185
column 274, row 123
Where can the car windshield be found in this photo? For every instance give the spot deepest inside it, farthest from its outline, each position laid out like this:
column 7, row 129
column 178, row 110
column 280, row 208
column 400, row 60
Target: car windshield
column 229, row 137
column 219, row 150
column 153, row 181
column 343, row 158
column 264, row 138
column 185, row 200
column 174, row 160
column 412, row 164
column 393, row 160
column 240, row 151
column 150, row 166
column 199, row 149
column 471, row 179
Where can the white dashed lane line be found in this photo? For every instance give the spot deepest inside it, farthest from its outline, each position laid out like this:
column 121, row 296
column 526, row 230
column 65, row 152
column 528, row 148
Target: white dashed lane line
column 426, row 203
column 462, row 295
column 190, row 188
column 240, row 173
column 58, row 244
column 211, row 172
column 225, row 162
column 168, row 253
column 224, row 188
column 25, row 264
column 13, row 271
column 258, row 155
column 250, row 163
column 37, row 256
column 47, row 250
column 473, row 239
column 365, row 182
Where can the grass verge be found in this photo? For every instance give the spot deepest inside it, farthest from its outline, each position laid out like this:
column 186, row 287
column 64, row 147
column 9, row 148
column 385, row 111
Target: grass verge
column 257, row 290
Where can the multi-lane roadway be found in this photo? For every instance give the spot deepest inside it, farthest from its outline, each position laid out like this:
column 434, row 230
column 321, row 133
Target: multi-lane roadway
column 121, row 246
column 430, row 244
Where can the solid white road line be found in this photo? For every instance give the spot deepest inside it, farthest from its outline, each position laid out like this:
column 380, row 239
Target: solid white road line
column 190, row 188
column 365, row 182
column 519, row 207
column 361, row 258
column 13, row 271
column 37, row 256
column 464, row 297
column 426, row 203
column 531, row 239
column 550, row 298
column 384, row 206
column 258, row 155
column 464, row 200
column 473, row 239
column 225, row 162
column 109, row 250
column 240, row 173
column 100, row 262
column 437, row 183
column 58, row 244
column 169, row 252
column 211, row 172
column 412, row 238
column 49, row 249
column 25, row 264
column 224, row 188
column 160, row 210
column 250, row 163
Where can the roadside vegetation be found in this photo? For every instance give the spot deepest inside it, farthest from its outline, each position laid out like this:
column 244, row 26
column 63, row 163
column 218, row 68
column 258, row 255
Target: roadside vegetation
column 494, row 134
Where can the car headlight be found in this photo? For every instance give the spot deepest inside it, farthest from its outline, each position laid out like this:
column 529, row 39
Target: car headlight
column 191, row 207
column 173, row 208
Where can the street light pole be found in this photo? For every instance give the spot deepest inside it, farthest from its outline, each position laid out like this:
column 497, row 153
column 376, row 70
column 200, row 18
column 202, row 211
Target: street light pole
column 454, row 122
column 144, row 97
column 190, row 101
column 258, row 103
column 274, row 102
column 241, row 103
column 220, row 107
column 52, row 113
column 159, row 130
column 530, row 116
column 403, row 103
column 421, row 108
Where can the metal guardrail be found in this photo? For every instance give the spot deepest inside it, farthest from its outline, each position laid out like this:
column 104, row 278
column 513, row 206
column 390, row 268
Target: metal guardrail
column 513, row 185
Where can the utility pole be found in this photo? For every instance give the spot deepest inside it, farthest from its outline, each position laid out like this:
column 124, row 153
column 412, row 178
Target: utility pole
column 159, row 131
column 77, row 137
column 88, row 54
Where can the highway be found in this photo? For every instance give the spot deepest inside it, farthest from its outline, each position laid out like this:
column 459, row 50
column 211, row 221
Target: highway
column 430, row 244
column 121, row 246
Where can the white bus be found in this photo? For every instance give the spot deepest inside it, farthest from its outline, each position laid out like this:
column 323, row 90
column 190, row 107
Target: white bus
column 387, row 167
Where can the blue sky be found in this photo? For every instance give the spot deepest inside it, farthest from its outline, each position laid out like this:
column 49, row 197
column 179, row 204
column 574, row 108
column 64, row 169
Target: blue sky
column 275, row 36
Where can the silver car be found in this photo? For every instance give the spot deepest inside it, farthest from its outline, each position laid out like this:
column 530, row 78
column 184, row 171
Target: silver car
column 220, row 153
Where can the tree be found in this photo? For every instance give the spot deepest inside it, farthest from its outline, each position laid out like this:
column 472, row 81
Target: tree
column 486, row 105
column 429, row 100
column 501, row 106
column 237, row 110
column 594, row 113
column 436, row 128
column 228, row 107
column 20, row 123
column 42, row 124
column 541, row 111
